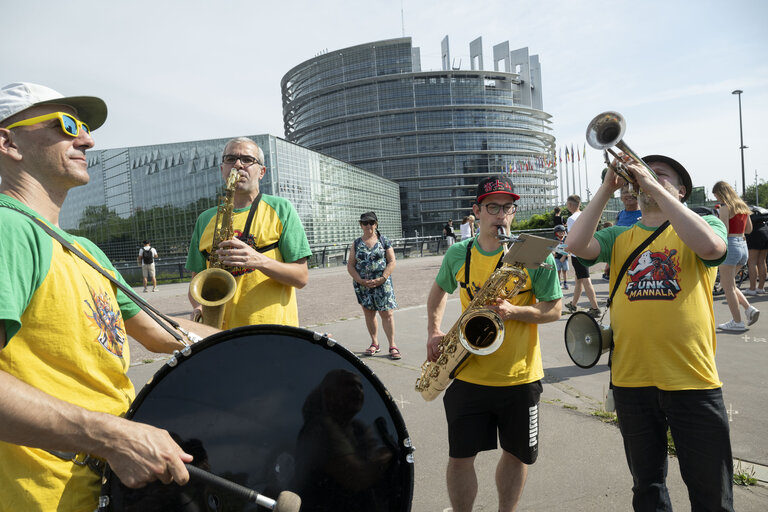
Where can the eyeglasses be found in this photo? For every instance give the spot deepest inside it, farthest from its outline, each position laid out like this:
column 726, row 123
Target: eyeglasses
column 69, row 124
column 246, row 160
column 367, row 222
column 495, row 208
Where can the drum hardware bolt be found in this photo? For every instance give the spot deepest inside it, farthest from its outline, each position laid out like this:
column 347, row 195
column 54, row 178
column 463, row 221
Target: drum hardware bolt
column 186, row 351
column 330, row 342
column 103, row 502
column 174, row 360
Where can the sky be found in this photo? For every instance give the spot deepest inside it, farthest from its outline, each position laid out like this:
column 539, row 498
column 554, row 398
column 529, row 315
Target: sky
column 173, row 71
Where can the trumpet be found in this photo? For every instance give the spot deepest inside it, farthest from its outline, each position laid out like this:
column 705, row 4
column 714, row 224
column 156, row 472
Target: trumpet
column 605, row 131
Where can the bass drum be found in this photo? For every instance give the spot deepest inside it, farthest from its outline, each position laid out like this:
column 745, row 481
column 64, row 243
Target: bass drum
column 275, row 409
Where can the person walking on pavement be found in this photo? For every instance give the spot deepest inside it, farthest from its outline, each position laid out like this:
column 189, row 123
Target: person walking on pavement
column 757, row 245
column 735, row 214
column 582, row 281
column 147, row 257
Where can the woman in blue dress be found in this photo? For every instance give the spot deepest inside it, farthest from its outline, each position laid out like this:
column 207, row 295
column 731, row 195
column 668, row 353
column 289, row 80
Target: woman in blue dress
column 371, row 262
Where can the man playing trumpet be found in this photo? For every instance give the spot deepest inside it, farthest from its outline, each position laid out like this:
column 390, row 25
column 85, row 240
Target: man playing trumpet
column 663, row 371
column 498, row 392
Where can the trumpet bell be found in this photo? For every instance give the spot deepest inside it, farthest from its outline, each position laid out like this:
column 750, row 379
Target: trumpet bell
column 606, row 130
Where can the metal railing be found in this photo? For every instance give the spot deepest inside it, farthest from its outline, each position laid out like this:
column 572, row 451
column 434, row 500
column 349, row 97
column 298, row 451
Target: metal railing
column 328, row 255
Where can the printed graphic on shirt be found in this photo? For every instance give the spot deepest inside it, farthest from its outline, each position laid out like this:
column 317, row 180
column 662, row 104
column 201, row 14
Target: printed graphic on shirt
column 106, row 317
column 653, row 276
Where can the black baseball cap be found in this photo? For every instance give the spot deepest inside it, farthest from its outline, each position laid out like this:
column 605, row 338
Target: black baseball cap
column 677, row 167
column 368, row 216
column 495, row 185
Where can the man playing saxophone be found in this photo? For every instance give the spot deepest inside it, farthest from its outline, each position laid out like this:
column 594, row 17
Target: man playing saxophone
column 498, row 392
column 268, row 254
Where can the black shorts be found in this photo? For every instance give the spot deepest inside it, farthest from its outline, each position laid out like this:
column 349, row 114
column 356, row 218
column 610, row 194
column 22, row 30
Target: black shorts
column 475, row 413
column 582, row 272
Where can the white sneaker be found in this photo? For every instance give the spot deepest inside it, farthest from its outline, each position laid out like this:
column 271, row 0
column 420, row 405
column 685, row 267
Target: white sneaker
column 752, row 313
column 732, row 325
column 761, row 291
column 750, row 293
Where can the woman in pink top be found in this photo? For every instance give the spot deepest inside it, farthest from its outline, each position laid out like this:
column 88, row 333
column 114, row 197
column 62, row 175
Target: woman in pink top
column 735, row 214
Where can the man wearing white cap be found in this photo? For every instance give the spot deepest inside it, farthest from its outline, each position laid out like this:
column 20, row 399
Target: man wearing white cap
column 62, row 365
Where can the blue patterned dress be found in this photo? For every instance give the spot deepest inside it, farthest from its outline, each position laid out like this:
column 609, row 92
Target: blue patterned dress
column 370, row 264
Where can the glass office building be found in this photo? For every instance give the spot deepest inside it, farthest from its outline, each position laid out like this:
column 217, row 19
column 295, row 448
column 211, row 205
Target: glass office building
column 156, row 193
column 435, row 133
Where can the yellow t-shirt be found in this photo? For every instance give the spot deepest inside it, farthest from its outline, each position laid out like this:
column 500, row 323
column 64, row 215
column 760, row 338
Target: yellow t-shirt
column 66, row 337
column 518, row 360
column 662, row 317
column 258, row 298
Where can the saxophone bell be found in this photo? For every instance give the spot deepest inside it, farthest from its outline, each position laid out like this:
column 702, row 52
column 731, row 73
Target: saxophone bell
column 215, row 286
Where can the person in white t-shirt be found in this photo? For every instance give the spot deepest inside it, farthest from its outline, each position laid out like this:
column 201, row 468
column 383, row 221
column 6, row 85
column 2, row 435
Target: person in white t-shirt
column 147, row 257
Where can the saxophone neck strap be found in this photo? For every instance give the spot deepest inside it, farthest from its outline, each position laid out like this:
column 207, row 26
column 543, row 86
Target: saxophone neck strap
column 467, row 261
column 249, row 221
column 251, row 214
column 148, row 308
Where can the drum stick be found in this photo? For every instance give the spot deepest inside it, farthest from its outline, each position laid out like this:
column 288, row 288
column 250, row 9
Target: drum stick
column 286, row 501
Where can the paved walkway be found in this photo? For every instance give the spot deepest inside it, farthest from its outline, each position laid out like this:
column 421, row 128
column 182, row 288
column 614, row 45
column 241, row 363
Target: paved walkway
column 581, row 465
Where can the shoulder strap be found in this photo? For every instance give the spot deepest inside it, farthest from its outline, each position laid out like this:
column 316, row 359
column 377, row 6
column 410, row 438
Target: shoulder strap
column 249, row 221
column 148, row 308
column 632, row 257
column 467, row 261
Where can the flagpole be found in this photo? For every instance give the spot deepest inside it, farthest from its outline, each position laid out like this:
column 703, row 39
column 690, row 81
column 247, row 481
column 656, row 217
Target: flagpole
column 573, row 171
column 586, row 171
column 560, row 169
column 581, row 194
column 567, row 179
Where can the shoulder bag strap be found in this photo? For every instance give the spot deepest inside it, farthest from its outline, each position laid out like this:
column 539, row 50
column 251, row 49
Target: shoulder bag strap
column 148, row 308
column 632, row 257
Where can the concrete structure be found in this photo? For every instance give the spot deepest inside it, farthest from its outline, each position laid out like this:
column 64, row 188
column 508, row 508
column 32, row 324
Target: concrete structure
column 435, row 133
column 156, row 192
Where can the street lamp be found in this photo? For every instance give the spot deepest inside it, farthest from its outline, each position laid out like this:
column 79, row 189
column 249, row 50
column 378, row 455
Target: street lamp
column 741, row 135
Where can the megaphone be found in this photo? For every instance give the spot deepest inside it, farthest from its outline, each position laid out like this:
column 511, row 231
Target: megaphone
column 586, row 340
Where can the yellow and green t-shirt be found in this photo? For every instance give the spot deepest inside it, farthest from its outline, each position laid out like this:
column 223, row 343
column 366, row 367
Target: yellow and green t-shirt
column 662, row 317
column 65, row 336
column 518, row 360
column 258, row 298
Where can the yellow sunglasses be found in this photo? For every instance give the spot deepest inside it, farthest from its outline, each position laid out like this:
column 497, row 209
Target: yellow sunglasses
column 69, row 124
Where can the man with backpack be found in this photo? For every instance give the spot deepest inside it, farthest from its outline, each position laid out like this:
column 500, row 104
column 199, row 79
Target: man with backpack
column 147, row 257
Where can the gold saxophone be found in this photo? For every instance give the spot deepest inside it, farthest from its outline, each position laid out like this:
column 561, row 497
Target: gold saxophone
column 478, row 330
column 215, row 286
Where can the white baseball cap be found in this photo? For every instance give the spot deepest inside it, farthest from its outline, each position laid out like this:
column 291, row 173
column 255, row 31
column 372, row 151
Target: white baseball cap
column 20, row 96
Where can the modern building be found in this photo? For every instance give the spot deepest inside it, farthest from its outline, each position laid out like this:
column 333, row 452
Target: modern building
column 156, row 193
column 435, row 133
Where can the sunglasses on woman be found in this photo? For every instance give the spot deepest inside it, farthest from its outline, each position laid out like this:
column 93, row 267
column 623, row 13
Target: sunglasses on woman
column 367, row 222
column 69, row 124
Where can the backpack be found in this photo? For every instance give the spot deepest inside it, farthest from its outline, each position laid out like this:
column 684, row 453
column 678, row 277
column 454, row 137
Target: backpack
column 146, row 256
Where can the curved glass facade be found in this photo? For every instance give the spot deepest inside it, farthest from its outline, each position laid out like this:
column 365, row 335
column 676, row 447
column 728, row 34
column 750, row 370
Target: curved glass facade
column 435, row 133
column 156, row 193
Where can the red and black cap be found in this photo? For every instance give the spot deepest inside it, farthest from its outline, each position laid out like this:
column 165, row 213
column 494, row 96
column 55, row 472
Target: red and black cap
column 495, row 185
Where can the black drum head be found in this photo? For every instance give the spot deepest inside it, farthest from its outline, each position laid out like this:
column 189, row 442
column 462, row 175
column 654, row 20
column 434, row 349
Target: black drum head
column 275, row 409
